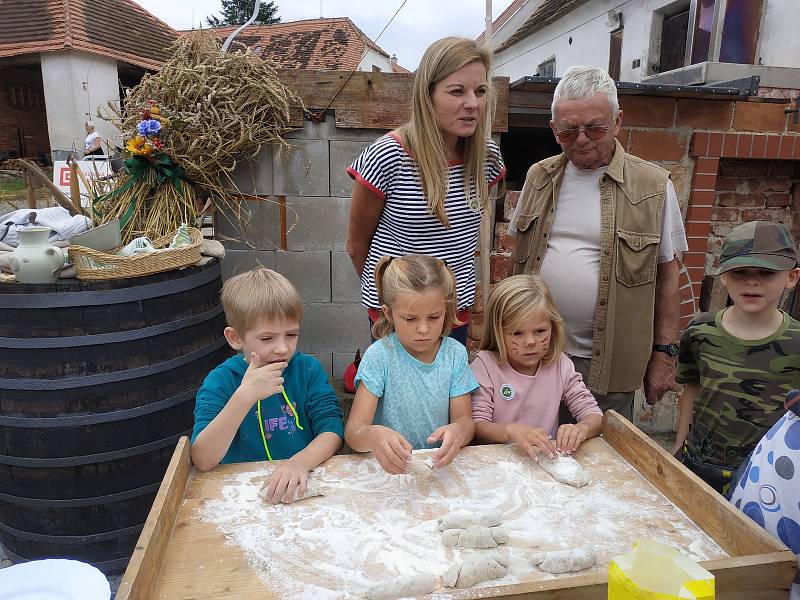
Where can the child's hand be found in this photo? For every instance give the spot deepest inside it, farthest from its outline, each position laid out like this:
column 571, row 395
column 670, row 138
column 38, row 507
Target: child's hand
column 262, row 381
column 450, row 436
column 286, row 483
column 391, row 449
column 569, row 437
column 531, row 440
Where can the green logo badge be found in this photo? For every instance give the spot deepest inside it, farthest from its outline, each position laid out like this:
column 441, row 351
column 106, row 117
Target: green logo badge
column 507, row 391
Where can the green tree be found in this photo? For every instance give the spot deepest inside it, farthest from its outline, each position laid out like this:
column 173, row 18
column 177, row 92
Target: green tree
column 238, row 12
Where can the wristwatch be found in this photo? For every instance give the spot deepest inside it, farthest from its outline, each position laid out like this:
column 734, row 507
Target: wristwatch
column 670, row 349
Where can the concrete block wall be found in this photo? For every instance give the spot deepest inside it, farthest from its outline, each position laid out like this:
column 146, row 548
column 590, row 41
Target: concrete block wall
column 308, row 181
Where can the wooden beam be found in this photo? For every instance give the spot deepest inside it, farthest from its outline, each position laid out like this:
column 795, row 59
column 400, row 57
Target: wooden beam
column 59, row 196
column 139, row 581
column 369, row 100
column 733, row 531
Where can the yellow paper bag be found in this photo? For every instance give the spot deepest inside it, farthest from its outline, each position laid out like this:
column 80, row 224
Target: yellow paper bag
column 654, row 571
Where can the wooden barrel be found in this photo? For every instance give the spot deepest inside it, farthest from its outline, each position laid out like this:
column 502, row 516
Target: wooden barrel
column 97, row 383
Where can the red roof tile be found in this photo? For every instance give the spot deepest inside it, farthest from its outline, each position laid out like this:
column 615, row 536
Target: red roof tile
column 550, row 11
column 504, row 18
column 315, row 44
column 117, row 29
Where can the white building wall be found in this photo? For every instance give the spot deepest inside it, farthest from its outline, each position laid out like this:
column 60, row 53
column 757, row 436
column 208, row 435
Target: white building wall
column 779, row 44
column 375, row 58
column 75, row 85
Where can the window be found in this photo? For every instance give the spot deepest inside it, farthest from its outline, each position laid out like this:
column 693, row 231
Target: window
column 25, row 97
column 547, row 68
column 674, row 30
column 725, row 31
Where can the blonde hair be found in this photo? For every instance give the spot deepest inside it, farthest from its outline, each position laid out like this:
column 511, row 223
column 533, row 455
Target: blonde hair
column 512, row 301
column 414, row 273
column 259, row 294
column 422, row 135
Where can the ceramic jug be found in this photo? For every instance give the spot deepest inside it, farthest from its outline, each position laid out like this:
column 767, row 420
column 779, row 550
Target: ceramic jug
column 35, row 260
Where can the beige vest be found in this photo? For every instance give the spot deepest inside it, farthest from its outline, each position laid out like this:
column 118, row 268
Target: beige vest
column 631, row 211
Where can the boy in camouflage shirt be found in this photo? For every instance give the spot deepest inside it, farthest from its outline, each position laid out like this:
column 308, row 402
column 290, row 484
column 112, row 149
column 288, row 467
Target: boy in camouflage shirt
column 738, row 364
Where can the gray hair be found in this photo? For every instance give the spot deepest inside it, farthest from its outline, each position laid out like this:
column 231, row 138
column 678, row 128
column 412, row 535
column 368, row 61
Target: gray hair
column 583, row 83
column 89, row 124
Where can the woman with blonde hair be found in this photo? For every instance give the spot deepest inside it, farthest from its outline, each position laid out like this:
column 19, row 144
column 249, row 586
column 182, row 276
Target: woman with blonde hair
column 524, row 376
column 421, row 189
column 93, row 144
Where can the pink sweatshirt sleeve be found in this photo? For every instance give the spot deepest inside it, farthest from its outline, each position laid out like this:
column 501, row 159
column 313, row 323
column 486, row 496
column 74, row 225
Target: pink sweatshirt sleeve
column 482, row 398
column 577, row 397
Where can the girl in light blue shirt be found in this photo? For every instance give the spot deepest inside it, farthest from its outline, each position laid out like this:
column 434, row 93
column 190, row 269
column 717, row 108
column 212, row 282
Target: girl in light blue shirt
column 414, row 383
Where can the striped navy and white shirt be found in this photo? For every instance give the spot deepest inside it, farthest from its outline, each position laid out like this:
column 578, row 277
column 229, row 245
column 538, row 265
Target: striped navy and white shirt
column 405, row 225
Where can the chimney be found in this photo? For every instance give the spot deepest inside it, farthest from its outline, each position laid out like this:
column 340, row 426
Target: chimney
column 393, row 59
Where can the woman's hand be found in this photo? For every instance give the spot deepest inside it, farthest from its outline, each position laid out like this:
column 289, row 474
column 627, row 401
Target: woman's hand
column 570, row 436
column 286, row 484
column 391, row 449
column 531, row 440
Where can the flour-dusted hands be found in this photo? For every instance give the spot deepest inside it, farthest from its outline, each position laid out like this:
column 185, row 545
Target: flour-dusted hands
column 261, row 381
column 570, row 436
column 391, row 449
column 286, row 484
column 451, row 439
column 531, row 440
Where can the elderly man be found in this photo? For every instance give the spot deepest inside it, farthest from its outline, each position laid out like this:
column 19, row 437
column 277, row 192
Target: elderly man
column 603, row 228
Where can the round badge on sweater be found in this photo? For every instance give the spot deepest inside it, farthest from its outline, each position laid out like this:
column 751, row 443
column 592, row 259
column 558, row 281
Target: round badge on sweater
column 507, row 391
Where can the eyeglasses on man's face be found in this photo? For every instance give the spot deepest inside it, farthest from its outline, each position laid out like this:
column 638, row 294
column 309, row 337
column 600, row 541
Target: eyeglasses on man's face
column 570, row 134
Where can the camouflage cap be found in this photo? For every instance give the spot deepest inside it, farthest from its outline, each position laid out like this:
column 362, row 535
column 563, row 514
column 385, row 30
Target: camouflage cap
column 758, row 244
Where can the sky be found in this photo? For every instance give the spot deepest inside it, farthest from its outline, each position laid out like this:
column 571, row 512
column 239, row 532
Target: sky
column 416, row 26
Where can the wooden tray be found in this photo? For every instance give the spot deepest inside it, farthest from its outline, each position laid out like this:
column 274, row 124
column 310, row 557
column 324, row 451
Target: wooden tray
column 173, row 558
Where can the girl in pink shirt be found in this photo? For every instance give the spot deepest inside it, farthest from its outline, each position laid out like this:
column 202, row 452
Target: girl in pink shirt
column 524, row 376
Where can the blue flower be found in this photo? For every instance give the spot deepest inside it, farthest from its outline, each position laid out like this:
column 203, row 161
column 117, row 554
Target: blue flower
column 148, row 127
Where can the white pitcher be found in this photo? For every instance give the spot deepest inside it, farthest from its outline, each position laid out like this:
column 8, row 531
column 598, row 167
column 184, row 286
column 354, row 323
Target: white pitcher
column 35, row 260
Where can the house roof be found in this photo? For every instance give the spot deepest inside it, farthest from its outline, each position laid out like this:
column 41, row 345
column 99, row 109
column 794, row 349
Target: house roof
column 316, row 44
column 549, row 12
column 117, row 29
column 504, row 18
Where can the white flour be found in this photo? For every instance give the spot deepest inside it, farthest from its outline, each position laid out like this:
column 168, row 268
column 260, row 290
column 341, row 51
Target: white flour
column 370, row 526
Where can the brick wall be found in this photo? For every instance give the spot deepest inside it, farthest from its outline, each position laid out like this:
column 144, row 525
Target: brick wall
column 31, row 120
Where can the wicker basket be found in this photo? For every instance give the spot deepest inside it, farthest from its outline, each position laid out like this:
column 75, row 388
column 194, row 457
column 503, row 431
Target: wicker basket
column 95, row 265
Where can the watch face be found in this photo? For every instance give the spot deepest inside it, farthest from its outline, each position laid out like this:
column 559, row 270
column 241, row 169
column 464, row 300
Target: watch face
column 673, row 349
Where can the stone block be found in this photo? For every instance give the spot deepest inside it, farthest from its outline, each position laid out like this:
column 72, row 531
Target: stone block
column 313, row 131
column 249, row 224
column 335, row 327
column 345, row 285
column 303, row 170
column 239, row 261
column 341, row 360
column 343, row 153
column 325, row 358
column 310, row 272
column 254, row 176
column 321, row 224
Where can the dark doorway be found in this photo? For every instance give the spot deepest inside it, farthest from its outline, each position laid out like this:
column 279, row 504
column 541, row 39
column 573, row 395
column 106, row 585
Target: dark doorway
column 673, row 41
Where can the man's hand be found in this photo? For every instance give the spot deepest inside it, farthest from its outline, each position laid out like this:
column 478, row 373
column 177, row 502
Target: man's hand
column 659, row 377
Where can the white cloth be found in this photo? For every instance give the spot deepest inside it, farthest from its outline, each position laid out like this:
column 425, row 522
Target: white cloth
column 89, row 141
column 58, row 219
column 571, row 265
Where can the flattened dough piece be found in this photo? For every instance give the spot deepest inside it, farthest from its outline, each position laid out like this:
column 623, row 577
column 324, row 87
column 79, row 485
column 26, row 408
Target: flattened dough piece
column 475, row 536
column 419, row 467
column 313, row 489
column 490, row 518
column 565, row 469
column 403, row 587
column 476, row 568
column 565, row 561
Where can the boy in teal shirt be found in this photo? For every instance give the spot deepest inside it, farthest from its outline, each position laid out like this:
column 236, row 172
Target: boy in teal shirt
column 269, row 401
column 738, row 364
